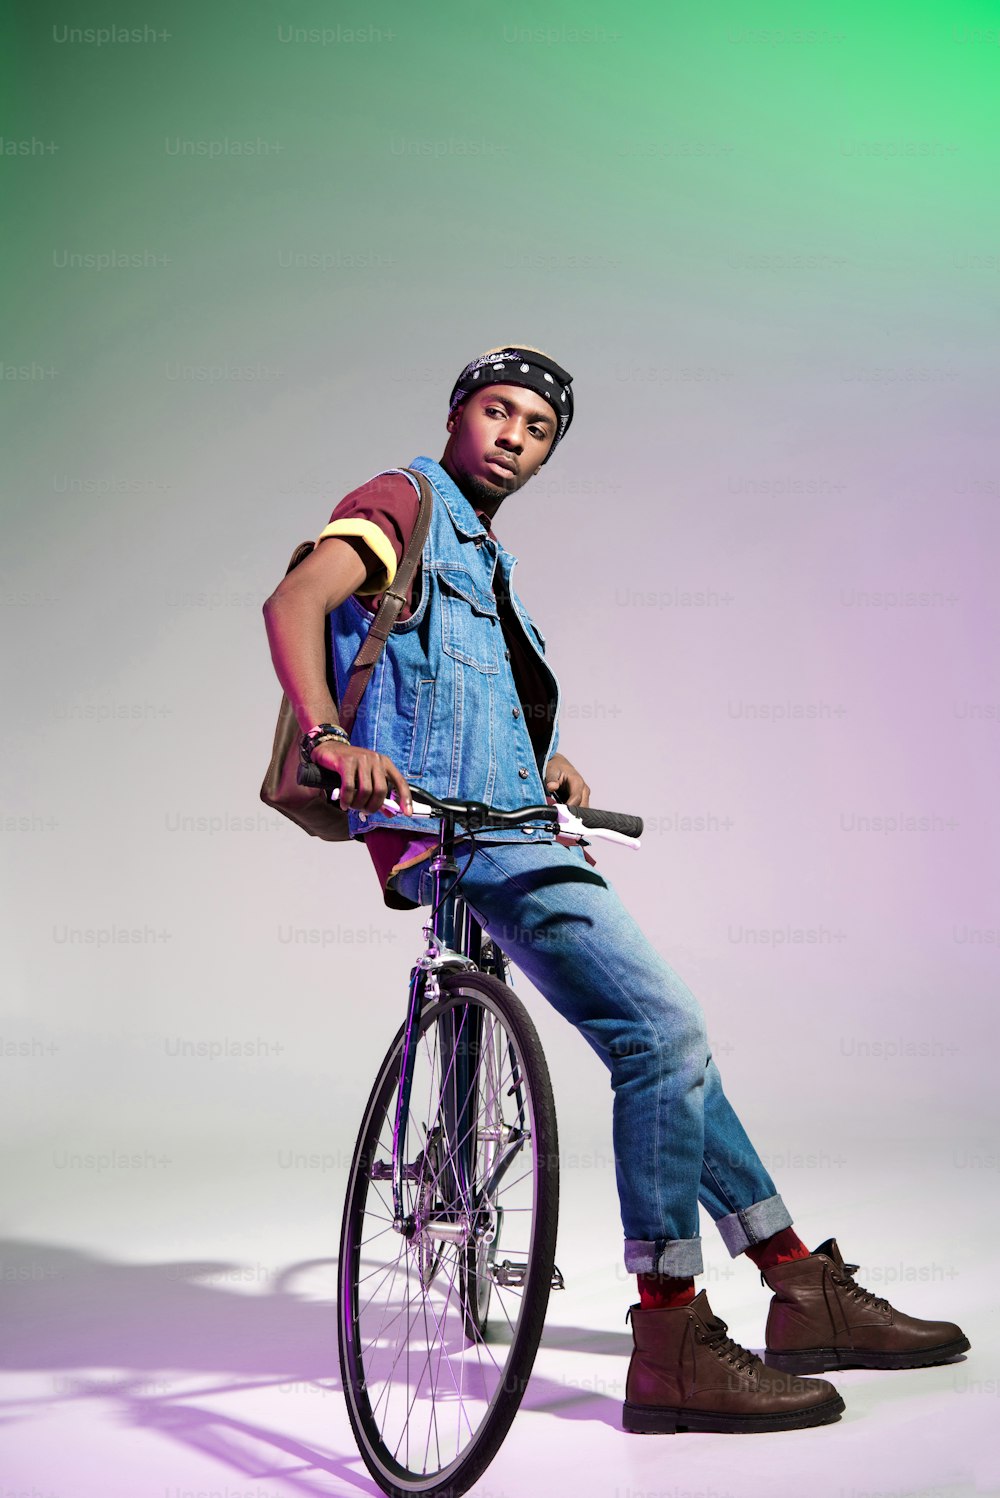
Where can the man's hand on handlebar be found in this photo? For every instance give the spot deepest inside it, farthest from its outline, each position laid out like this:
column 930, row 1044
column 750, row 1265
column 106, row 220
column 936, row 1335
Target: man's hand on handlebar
column 366, row 778
column 563, row 782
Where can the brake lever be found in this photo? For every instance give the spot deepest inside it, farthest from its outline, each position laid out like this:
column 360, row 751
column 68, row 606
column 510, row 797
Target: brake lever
column 391, row 805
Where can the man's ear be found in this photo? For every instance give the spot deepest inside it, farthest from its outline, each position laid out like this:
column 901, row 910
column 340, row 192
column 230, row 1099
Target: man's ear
column 455, row 417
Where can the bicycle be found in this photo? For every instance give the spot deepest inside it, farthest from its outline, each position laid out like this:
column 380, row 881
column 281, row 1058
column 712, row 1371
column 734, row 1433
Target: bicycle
column 447, row 1247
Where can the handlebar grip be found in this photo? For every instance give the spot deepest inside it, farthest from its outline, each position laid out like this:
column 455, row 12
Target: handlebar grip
column 317, row 776
column 614, row 821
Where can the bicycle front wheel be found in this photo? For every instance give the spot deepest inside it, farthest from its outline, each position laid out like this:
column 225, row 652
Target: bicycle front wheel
column 440, row 1316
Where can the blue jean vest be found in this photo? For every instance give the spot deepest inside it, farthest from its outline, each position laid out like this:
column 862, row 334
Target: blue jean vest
column 442, row 702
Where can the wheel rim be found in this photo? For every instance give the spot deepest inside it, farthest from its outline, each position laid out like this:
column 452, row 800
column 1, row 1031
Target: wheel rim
column 423, row 1374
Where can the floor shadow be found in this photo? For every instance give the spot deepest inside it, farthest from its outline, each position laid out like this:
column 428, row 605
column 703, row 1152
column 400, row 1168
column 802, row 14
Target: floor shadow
column 65, row 1309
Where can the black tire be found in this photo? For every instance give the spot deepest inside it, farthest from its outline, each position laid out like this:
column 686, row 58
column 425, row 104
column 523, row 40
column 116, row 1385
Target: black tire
column 472, row 1324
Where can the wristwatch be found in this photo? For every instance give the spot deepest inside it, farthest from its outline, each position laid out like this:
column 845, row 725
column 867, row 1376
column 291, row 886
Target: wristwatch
column 317, row 734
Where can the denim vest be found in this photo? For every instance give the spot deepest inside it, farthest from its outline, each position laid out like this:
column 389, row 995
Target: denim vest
column 442, row 702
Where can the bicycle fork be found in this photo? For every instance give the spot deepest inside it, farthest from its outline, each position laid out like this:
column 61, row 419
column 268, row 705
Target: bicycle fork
column 459, row 1039
column 403, row 1221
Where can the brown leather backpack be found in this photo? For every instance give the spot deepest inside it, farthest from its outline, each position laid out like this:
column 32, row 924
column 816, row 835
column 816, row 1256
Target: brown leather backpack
column 283, row 789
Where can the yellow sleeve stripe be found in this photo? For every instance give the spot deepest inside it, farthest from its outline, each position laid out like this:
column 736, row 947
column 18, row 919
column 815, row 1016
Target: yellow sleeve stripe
column 376, row 540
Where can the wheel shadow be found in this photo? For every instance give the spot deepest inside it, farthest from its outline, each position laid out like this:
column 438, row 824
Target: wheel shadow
column 67, row 1311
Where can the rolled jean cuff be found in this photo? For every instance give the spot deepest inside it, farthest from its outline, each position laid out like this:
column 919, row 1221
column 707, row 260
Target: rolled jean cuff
column 741, row 1230
column 678, row 1257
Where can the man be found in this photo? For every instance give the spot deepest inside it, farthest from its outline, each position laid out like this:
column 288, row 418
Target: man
column 463, row 702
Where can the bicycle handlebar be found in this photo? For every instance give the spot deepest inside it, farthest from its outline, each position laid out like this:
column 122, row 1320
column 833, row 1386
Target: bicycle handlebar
column 615, row 826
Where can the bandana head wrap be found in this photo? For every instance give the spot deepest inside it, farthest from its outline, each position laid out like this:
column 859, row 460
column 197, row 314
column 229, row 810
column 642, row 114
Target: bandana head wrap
column 520, row 365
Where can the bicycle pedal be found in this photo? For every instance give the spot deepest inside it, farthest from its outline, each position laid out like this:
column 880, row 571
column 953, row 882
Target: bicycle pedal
column 382, row 1171
column 511, row 1274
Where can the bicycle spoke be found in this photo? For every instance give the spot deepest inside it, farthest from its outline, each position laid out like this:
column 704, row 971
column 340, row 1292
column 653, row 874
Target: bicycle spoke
column 375, row 1236
column 395, row 1269
column 406, row 1347
column 406, row 1339
column 386, row 1274
column 475, row 1125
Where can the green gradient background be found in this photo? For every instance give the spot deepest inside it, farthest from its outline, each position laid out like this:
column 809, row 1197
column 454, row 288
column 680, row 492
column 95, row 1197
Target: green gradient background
column 562, row 176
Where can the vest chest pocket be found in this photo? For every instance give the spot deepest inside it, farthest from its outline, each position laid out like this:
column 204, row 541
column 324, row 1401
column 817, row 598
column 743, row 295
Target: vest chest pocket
column 470, row 625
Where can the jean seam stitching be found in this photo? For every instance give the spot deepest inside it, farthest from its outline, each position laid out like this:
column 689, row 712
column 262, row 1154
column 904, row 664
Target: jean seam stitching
column 720, row 1187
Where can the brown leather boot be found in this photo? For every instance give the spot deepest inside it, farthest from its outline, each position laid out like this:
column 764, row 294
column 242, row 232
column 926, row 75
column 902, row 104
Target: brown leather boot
column 821, row 1318
column 687, row 1374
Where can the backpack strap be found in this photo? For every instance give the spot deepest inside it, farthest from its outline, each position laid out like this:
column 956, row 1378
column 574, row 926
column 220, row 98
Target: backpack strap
column 393, row 600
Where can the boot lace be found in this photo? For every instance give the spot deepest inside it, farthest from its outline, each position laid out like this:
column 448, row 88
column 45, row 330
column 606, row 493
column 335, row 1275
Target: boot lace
column 846, row 1281
column 714, row 1335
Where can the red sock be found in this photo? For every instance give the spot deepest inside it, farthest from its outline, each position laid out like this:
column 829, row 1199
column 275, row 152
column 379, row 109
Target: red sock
column 658, row 1292
column 780, row 1248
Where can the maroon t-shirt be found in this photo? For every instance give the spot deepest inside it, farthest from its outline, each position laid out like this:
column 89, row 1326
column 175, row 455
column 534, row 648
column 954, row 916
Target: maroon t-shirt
column 387, row 505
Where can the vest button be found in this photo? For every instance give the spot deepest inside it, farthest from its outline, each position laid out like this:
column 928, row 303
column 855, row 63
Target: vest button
column 523, row 773
column 506, row 655
column 516, row 712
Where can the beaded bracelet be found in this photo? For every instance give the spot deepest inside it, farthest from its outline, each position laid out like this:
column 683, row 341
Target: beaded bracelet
column 317, row 735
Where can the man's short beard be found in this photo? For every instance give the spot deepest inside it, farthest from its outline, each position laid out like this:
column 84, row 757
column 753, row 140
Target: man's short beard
column 479, row 493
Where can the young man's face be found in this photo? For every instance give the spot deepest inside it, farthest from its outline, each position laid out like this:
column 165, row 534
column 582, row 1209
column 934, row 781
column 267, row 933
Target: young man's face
column 499, row 438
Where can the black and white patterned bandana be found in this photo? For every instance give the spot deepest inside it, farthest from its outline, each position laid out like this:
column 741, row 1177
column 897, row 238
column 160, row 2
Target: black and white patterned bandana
column 521, row 366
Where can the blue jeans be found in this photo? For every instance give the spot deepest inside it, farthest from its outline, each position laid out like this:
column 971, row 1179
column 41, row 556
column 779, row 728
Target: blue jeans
column 677, row 1139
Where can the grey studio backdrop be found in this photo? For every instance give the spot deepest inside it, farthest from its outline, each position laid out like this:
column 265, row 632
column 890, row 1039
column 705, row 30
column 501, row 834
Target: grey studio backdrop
column 197, row 994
